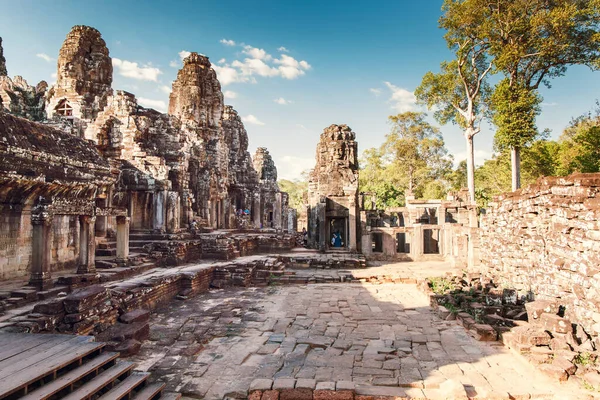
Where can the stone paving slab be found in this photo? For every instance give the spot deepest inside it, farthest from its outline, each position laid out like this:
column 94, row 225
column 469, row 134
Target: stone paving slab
column 378, row 340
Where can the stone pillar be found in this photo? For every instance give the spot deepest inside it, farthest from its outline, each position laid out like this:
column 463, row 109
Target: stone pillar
column 159, row 211
column 323, row 228
column 172, row 211
column 87, row 245
column 101, row 221
column 277, row 217
column 417, row 242
column 41, row 246
column 352, row 226
column 257, row 212
column 122, row 238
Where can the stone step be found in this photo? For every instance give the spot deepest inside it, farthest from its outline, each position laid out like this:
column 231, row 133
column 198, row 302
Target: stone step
column 126, row 387
column 106, row 378
column 150, row 392
column 72, row 377
column 101, row 264
column 106, row 252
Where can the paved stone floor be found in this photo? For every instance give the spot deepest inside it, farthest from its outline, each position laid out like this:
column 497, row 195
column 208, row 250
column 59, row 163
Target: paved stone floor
column 377, row 336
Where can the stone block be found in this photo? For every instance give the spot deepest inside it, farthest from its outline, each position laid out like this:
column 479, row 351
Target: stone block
column 333, row 395
column 270, row 395
column 296, row 394
column 345, row 385
column 555, row 324
column 53, row 307
column 261, row 384
column 483, row 332
column 565, row 364
column 284, row 383
column 536, row 308
column 306, row 384
column 84, row 299
column 554, row 372
column 127, row 348
column 139, row 315
column 325, row 386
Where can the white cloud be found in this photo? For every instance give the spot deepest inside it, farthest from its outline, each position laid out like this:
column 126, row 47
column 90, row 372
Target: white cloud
column 156, row 104
column 402, row 100
column 54, row 75
column 549, row 104
column 251, row 119
column 45, row 57
column 259, row 63
column 166, row 89
column 174, row 64
column 292, row 167
column 183, row 54
column 230, row 94
column 227, row 42
column 131, row 69
column 282, row 101
column 283, row 50
column 375, row 91
column 256, row 53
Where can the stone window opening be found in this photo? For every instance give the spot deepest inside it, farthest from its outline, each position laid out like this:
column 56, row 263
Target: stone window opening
column 431, row 241
column 64, row 109
column 402, row 243
column 377, row 242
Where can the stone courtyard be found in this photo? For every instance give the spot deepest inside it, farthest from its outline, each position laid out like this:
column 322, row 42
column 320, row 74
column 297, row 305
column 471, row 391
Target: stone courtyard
column 380, row 340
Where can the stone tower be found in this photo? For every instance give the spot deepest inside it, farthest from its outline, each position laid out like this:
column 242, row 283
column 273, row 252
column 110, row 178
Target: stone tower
column 84, row 76
column 196, row 94
column 333, row 190
column 3, row 71
column 265, row 166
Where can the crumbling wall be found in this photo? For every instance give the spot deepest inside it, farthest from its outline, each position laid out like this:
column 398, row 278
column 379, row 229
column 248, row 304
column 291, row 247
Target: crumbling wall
column 544, row 240
column 21, row 99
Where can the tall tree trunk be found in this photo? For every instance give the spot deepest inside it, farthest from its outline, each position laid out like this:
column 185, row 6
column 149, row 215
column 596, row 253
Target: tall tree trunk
column 470, row 165
column 515, row 160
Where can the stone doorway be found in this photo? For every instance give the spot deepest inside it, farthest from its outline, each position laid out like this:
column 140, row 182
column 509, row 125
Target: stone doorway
column 338, row 233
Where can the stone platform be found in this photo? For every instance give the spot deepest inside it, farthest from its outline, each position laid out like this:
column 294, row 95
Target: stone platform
column 307, row 341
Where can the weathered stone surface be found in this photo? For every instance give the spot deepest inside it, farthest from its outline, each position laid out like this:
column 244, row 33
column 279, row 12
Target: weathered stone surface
column 333, row 190
column 86, row 298
column 84, row 75
column 139, row 315
column 3, row 71
column 21, row 99
column 556, row 324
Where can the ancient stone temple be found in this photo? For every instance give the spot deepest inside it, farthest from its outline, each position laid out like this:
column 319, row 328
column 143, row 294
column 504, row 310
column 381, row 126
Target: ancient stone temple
column 123, row 166
column 271, row 203
column 84, row 77
column 333, row 191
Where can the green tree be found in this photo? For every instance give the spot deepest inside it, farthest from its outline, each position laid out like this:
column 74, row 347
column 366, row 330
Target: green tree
column 413, row 158
column 532, row 41
column 580, row 145
column 297, row 191
column 459, row 91
column 415, row 151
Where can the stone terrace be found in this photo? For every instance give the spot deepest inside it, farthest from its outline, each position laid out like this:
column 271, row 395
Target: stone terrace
column 374, row 339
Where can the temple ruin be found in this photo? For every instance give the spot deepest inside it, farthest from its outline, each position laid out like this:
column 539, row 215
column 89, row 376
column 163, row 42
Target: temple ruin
column 157, row 238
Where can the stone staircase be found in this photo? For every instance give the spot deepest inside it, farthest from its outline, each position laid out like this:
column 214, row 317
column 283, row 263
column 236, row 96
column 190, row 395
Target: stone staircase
column 40, row 367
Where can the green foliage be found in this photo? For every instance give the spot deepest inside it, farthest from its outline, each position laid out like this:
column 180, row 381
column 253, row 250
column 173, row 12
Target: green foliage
column 297, row 191
column 579, row 149
column 413, row 157
column 440, row 285
column 451, row 307
column 458, row 177
column 584, row 359
column 514, row 111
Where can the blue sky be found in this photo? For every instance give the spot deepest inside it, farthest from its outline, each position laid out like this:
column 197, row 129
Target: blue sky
column 289, row 68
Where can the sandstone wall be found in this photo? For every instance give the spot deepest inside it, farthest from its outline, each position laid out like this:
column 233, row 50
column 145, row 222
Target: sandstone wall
column 544, row 240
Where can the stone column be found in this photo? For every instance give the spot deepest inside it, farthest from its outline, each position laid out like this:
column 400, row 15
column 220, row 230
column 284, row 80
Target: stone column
column 159, row 211
column 277, row 211
column 41, row 246
column 417, row 242
column 87, row 245
column 172, row 209
column 101, row 221
column 352, row 226
column 323, row 228
column 257, row 212
column 122, row 238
